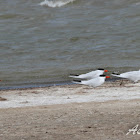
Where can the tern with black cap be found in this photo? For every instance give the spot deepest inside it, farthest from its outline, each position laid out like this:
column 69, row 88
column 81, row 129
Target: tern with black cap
column 90, row 75
column 93, row 82
column 131, row 75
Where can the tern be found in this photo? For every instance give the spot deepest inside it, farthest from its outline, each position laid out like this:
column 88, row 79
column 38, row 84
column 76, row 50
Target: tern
column 90, row 75
column 132, row 75
column 93, row 82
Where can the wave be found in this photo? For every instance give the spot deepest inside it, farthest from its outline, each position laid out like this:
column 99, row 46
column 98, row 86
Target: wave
column 55, row 3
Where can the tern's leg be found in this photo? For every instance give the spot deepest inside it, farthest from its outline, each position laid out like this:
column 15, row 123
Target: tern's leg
column 122, row 83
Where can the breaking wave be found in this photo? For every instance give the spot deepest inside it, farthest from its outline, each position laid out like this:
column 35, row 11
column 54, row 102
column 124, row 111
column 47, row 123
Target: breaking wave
column 55, row 3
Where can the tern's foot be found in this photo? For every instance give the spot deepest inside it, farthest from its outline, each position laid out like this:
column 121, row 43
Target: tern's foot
column 122, row 83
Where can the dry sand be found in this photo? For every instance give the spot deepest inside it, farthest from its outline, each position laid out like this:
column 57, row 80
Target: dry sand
column 68, row 112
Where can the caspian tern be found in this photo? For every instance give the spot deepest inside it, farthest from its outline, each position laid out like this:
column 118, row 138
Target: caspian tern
column 93, row 82
column 132, row 75
column 90, row 75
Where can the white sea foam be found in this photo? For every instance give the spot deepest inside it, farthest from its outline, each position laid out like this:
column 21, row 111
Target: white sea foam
column 55, row 3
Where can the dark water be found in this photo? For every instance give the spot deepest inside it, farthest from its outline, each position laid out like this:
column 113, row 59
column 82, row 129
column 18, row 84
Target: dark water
column 41, row 44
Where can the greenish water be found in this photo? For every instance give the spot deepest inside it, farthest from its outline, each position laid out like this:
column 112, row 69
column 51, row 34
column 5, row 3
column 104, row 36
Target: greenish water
column 41, row 44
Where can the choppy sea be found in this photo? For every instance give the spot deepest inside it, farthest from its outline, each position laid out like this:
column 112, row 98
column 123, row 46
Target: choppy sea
column 43, row 41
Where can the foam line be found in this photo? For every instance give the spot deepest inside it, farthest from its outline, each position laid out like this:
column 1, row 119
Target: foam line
column 54, row 4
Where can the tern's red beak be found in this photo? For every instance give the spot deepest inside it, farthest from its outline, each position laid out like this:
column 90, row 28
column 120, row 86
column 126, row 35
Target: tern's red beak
column 107, row 76
column 105, row 70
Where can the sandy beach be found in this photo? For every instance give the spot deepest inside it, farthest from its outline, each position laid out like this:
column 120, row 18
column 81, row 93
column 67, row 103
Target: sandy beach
column 72, row 112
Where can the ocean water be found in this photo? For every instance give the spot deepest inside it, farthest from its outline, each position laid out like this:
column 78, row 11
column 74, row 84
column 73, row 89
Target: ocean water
column 43, row 41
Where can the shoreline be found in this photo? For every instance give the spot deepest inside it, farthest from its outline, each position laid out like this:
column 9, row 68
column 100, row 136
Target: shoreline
column 34, row 85
column 65, row 94
column 43, row 84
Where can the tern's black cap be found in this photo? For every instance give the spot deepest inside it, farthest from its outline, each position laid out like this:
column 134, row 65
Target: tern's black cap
column 102, row 75
column 115, row 73
column 101, row 69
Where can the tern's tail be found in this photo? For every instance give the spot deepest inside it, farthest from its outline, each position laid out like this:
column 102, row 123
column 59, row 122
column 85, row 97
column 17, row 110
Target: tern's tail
column 77, row 81
column 74, row 75
column 115, row 74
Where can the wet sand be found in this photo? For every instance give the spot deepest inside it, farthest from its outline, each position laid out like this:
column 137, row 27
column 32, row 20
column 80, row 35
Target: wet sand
column 82, row 120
